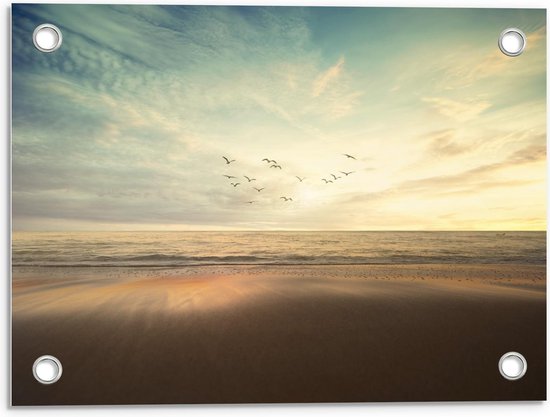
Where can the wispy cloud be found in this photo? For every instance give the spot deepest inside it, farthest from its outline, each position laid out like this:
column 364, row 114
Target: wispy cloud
column 331, row 75
column 443, row 143
column 458, row 109
column 471, row 180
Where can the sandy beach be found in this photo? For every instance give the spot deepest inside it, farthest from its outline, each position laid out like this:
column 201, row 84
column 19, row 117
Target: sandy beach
column 245, row 334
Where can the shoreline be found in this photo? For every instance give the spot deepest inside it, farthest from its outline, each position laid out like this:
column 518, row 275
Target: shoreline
column 275, row 264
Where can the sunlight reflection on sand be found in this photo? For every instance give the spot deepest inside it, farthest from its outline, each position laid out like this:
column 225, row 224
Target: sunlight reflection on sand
column 176, row 291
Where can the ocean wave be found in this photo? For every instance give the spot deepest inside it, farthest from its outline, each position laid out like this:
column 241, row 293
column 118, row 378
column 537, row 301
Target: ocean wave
column 140, row 249
column 159, row 260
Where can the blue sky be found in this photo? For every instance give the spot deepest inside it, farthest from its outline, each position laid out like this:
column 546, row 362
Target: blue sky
column 124, row 127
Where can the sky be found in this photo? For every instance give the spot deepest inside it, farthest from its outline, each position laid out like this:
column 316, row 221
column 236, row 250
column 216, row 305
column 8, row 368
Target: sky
column 124, row 127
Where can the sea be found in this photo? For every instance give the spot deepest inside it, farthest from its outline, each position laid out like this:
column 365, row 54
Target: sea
column 181, row 249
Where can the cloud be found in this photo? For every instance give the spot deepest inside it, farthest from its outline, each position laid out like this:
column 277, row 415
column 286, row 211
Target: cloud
column 536, row 37
column 529, row 154
column 323, row 81
column 460, row 110
column 443, row 143
column 468, row 181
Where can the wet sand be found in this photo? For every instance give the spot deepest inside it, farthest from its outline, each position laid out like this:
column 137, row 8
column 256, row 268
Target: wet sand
column 246, row 334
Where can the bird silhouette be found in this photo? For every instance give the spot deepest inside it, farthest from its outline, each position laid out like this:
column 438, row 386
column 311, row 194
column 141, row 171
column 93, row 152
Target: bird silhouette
column 300, row 179
column 347, row 173
column 234, row 184
column 251, row 202
column 275, row 166
column 335, row 177
column 227, row 161
column 266, row 160
column 269, row 161
column 250, row 179
column 259, row 189
column 229, row 176
column 349, row 156
column 286, row 198
column 326, row 181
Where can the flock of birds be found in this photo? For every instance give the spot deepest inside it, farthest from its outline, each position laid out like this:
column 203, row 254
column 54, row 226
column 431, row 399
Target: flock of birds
column 273, row 164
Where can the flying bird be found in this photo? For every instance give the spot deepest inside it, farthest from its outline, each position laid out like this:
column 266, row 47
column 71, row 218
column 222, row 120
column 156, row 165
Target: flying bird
column 269, row 161
column 250, row 179
column 286, row 198
column 229, row 176
column 234, row 184
column 259, row 189
column 251, row 202
column 326, row 181
column 347, row 173
column 275, row 166
column 300, row 179
column 349, row 156
column 227, row 161
column 335, row 177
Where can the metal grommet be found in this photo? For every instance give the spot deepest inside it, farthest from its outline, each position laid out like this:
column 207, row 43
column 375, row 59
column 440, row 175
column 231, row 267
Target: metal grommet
column 47, row 369
column 512, row 42
column 47, row 37
column 512, row 366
